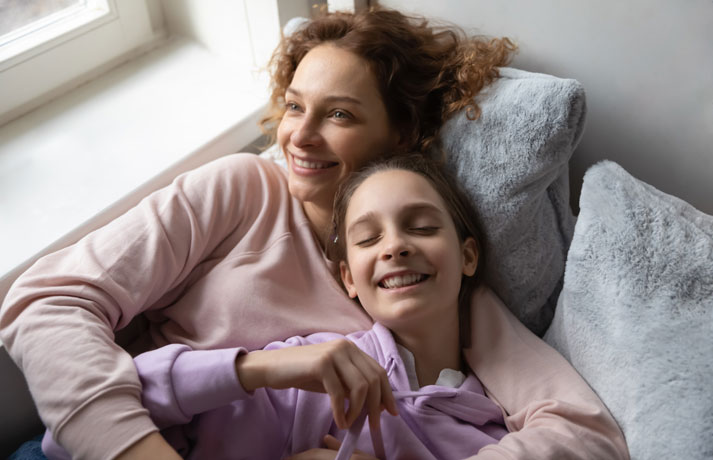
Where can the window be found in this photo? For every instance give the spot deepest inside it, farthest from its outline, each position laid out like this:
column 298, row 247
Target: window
column 49, row 46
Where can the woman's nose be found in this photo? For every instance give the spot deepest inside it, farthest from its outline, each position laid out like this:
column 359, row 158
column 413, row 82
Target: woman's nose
column 306, row 133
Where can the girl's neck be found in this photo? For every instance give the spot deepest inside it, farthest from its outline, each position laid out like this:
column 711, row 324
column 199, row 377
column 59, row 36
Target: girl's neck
column 434, row 348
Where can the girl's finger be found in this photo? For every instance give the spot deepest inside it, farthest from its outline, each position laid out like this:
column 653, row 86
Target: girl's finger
column 374, row 396
column 357, row 385
column 387, row 396
column 333, row 386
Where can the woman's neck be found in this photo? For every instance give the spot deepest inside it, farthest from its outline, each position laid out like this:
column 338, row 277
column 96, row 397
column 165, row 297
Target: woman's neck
column 320, row 218
column 435, row 347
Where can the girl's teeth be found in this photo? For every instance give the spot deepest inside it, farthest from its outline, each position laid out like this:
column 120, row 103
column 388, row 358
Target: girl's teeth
column 310, row 164
column 401, row 281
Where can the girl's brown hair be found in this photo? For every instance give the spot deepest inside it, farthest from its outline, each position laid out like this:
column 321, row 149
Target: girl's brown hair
column 457, row 203
column 426, row 73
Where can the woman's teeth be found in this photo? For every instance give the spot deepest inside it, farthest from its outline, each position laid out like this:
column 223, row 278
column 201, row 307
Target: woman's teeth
column 403, row 280
column 312, row 164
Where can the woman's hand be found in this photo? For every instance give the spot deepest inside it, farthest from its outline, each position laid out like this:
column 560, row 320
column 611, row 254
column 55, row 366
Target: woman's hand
column 338, row 368
column 330, row 452
column 150, row 447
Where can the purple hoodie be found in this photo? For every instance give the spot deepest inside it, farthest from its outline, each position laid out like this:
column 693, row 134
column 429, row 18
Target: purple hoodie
column 195, row 398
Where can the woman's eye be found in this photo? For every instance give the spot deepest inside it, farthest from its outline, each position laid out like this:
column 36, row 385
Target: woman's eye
column 291, row 106
column 340, row 114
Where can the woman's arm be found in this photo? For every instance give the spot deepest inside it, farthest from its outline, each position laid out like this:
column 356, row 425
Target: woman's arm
column 150, row 447
column 177, row 383
column 58, row 318
column 551, row 411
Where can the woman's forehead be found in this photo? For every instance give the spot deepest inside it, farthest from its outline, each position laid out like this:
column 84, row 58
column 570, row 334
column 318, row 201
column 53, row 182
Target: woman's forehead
column 327, row 71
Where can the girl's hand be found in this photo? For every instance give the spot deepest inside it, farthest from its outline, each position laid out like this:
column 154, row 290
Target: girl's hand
column 338, row 368
column 330, row 452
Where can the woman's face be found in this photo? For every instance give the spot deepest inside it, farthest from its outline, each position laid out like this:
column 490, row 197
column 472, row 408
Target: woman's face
column 335, row 121
column 405, row 259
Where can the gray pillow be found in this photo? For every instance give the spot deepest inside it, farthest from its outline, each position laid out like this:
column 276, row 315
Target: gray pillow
column 635, row 317
column 513, row 162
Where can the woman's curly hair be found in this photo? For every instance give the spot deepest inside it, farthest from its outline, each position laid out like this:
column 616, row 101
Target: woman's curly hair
column 426, row 73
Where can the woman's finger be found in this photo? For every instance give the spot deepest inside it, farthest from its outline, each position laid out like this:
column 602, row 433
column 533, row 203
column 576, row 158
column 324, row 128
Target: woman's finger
column 314, row 454
column 330, row 442
column 333, row 444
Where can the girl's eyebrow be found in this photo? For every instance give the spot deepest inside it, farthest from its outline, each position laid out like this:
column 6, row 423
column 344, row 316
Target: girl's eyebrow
column 362, row 219
column 328, row 99
column 408, row 209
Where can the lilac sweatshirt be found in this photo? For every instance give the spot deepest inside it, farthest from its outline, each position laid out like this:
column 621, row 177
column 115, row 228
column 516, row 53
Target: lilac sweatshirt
column 196, row 397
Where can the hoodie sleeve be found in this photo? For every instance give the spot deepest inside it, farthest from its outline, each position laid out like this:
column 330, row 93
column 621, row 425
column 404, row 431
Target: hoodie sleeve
column 59, row 317
column 179, row 383
column 550, row 410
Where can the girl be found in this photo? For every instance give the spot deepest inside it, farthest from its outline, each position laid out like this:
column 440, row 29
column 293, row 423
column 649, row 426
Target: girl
column 232, row 253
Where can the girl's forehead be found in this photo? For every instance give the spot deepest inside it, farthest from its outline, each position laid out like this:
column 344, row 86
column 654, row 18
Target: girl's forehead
column 386, row 192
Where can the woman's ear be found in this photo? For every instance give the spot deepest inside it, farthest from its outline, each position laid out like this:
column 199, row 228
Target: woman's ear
column 347, row 279
column 470, row 256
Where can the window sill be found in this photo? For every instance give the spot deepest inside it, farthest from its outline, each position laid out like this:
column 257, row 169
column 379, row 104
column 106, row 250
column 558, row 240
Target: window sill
column 83, row 159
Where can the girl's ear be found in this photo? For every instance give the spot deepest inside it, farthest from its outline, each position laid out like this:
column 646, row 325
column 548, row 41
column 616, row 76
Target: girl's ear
column 470, row 256
column 347, row 279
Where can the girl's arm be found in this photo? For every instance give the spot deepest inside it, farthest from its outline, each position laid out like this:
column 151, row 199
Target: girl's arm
column 57, row 320
column 551, row 411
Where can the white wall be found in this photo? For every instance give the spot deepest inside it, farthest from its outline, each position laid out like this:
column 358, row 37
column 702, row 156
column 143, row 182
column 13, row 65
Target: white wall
column 647, row 68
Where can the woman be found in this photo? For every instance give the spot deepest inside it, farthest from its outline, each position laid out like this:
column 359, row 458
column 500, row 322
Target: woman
column 232, row 253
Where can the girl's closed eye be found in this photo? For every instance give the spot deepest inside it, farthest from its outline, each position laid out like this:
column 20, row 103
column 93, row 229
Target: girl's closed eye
column 425, row 229
column 366, row 240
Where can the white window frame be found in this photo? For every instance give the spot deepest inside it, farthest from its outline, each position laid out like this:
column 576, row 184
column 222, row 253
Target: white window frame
column 68, row 50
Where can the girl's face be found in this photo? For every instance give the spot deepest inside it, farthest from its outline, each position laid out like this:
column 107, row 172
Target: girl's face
column 404, row 257
column 335, row 121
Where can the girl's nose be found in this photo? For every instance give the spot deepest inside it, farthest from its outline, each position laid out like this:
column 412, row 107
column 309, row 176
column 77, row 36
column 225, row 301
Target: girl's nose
column 396, row 246
column 306, row 133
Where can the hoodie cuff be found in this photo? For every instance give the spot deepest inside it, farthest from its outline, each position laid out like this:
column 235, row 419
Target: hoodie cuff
column 206, row 379
column 106, row 426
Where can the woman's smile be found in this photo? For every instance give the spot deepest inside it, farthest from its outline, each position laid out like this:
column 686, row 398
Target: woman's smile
column 308, row 166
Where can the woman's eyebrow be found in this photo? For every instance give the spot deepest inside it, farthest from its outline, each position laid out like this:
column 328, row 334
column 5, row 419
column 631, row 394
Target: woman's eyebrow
column 335, row 98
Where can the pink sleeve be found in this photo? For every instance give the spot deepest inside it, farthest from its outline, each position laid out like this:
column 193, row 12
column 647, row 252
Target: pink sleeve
column 550, row 410
column 57, row 320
